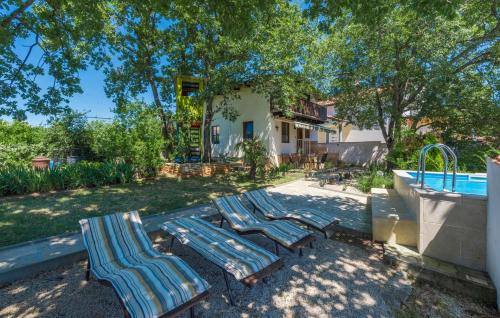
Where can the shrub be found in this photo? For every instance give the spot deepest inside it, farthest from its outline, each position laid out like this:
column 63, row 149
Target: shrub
column 254, row 154
column 375, row 179
column 68, row 135
column 406, row 151
column 20, row 143
column 22, row 180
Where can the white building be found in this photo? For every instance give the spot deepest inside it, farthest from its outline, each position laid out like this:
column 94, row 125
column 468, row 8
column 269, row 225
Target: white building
column 280, row 134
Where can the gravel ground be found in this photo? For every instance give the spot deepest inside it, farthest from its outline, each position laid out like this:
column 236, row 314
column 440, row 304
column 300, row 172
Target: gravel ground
column 332, row 280
column 431, row 301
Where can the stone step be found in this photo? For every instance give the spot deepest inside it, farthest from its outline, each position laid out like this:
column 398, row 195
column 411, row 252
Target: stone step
column 392, row 222
column 473, row 283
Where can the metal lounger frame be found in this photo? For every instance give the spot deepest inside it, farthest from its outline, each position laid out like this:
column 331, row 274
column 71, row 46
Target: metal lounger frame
column 248, row 281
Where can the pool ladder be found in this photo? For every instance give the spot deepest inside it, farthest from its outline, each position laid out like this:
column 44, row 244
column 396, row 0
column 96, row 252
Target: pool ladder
column 445, row 151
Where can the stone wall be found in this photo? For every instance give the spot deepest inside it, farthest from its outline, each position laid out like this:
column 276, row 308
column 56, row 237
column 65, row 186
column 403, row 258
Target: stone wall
column 450, row 226
column 186, row 170
column 493, row 226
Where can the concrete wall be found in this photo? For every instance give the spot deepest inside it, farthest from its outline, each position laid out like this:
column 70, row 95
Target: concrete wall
column 493, row 226
column 358, row 153
column 450, row 226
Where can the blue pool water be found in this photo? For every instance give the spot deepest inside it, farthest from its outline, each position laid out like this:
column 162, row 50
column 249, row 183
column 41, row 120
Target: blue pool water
column 465, row 183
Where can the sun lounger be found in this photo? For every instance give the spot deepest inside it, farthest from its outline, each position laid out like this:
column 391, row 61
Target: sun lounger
column 235, row 255
column 272, row 209
column 243, row 221
column 148, row 283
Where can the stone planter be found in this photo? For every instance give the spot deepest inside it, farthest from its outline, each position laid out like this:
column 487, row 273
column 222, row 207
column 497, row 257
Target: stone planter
column 186, row 170
column 40, row 162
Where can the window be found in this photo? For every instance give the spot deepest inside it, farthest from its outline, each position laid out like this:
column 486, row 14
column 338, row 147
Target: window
column 307, row 133
column 285, row 132
column 189, row 88
column 248, row 130
column 215, row 135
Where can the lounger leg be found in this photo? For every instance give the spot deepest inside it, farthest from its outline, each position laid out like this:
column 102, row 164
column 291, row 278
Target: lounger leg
column 311, row 244
column 231, row 301
column 276, row 248
column 221, row 221
column 191, row 312
column 87, row 272
column 326, row 234
column 300, row 252
column 172, row 241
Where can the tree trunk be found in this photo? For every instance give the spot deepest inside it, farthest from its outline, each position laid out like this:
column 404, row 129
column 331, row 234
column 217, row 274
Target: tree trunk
column 161, row 114
column 207, row 144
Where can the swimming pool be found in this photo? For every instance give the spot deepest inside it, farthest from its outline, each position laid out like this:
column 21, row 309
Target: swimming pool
column 465, row 183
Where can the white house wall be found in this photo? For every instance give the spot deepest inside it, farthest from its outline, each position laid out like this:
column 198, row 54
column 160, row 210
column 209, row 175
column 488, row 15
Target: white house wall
column 251, row 107
column 283, row 148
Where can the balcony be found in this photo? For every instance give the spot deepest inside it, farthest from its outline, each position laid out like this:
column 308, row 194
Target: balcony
column 305, row 110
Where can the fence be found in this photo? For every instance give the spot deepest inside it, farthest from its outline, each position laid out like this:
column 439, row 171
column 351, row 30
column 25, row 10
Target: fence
column 356, row 153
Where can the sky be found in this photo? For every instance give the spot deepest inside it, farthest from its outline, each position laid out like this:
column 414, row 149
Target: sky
column 93, row 101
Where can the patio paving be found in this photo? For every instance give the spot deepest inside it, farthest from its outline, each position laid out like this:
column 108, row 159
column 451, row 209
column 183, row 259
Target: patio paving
column 332, row 280
column 351, row 208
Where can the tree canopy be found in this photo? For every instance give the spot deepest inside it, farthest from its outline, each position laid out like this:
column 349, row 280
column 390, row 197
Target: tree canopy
column 43, row 46
column 410, row 62
column 384, row 62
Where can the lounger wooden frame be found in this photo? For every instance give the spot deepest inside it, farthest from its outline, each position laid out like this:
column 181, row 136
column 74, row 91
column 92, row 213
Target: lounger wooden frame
column 248, row 281
column 171, row 314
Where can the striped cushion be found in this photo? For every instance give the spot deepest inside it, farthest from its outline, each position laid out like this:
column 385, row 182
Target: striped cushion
column 149, row 284
column 235, row 212
column 271, row 208
column 227, row 250
column 240, row 218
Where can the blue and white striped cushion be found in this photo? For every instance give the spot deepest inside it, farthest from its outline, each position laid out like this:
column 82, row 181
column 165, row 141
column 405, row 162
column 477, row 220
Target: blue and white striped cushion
column 149, row 283
column 271, row 208
column 227, row 250
column 240, row 218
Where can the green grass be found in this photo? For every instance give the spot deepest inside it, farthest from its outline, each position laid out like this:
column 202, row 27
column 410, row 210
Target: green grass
column 36, row 216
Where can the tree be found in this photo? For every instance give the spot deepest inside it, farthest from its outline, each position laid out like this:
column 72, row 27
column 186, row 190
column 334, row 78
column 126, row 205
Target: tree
column 139, row 37
column 408, row 61
column 244, row 42
column 254, row 154
column 43, row 45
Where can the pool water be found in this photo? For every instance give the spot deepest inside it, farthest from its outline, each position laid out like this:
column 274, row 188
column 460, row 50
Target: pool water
column 465, row 183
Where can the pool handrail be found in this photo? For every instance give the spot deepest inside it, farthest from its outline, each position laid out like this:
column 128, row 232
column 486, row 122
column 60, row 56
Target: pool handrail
column 445, row 150
column 421, row 155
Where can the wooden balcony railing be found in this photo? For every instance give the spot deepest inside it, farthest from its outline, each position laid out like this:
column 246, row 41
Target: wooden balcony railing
column 308, row 110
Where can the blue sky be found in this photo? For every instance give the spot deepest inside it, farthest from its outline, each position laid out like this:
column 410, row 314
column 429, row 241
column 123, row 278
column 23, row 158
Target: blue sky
column 93, row 100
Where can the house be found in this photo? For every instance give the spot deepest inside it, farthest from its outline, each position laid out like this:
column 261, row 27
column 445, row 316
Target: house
column 282, row 135
column 311, row 128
